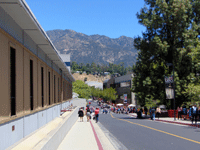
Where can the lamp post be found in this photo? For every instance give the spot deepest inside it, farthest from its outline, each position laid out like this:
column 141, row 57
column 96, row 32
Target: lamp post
column 170, row 64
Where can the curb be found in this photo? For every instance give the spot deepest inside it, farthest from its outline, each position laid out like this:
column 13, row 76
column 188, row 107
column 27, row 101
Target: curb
column 186, row 124
column 96, row 137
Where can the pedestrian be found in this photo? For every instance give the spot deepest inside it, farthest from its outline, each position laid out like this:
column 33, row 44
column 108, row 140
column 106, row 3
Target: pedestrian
column 88, row 112
column 128, row 110
column 81, row 114
column 194, row 113
column 190, row 112
column 97, row 114
column 118, row 110
column 199, row 112
column 158, row 112
column 153, row 113
column 179, row 112
column 150, row 113
column 141, row 111
column 145, row 111
column 106, row 110
column 184, row 112
column 112, row 109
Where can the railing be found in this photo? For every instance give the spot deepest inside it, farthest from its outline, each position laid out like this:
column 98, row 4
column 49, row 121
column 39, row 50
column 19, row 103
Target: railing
column 171, row 114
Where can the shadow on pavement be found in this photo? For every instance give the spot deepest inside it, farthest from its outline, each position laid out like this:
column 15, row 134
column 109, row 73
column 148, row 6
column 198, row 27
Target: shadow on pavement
column 131, row 118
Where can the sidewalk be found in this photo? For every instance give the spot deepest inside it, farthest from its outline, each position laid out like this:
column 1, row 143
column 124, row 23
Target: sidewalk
column 80, row 136
column 170, row 120
column 85, row 135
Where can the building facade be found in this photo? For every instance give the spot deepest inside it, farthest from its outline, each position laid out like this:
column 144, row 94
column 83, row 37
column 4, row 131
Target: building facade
column 122, row 85
column 35, row 83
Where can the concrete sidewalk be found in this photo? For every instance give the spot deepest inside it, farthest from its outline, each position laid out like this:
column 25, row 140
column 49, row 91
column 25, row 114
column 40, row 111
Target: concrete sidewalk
column 66, row 132
column 85, row 135
column 80, row 136
column 170, row 120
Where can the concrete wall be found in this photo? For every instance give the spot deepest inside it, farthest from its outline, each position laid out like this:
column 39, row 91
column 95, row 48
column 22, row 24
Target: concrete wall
column 53, row 140
column 28, row 124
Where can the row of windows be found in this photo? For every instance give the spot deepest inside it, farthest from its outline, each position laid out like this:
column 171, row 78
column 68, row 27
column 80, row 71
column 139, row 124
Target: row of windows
column 13, row 84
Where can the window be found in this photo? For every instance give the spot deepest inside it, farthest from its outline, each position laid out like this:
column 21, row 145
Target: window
column 42, row 86
column 58, row 90
column 49, row 77
column 54, row 88
column 31, row 84
column 12, row 81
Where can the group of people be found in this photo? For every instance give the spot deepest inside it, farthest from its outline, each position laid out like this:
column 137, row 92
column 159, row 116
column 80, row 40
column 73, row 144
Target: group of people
column 90, row 112
column 126, row 110
column 154, row 112
column 193, row 112
column 120, row 110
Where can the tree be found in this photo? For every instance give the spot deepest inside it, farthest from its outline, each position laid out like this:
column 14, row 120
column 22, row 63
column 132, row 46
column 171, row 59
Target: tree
column 109, row 94
column 74, row 66
column 172, row 28
column 82, row 89
column 96, row 92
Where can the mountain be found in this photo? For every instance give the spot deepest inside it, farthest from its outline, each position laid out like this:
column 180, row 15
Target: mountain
column 94, row 48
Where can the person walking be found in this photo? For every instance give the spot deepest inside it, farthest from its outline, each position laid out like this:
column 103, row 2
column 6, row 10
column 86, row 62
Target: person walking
column 190, row 112
column 150, row 113
column 153, row 113
column 179, row 112
column 97, row 114
column 81, row 114
column 158, row 112
column 184, row 112
column 88, row 112
column 194, row 113
column 145, row 111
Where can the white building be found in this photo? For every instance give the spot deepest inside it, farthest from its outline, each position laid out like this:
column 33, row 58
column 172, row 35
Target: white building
column 66, row 59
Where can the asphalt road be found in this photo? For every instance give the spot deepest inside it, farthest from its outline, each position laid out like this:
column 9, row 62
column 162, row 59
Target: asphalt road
column 144, row 134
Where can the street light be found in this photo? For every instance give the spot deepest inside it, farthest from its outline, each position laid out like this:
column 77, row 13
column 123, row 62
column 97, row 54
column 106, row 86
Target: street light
column 170, row 64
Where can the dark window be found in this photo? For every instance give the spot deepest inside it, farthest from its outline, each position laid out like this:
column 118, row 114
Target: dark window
column 12, row 81
column 49, row 89
column 58, row 90
column 67, row 63
column 42, row 85
column 31, row 84
column 54, row 89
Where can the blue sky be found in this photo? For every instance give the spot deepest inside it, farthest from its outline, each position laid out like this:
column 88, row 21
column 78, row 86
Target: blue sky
column 112, row 18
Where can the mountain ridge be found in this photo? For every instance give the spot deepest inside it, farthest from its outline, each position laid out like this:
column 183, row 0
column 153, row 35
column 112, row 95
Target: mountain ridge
column 94, row 48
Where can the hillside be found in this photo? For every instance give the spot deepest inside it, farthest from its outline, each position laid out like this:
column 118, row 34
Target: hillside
column 90, row 77
column 95, row 48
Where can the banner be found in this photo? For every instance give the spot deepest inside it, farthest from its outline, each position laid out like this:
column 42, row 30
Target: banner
column 169, row 81
column 169, row 93
column 125, row 98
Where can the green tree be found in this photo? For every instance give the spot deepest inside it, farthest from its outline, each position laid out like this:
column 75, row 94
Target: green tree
column 82, row 89
column 172, row 28
column 109, row 94
column 96, row 92
column 74, row 66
